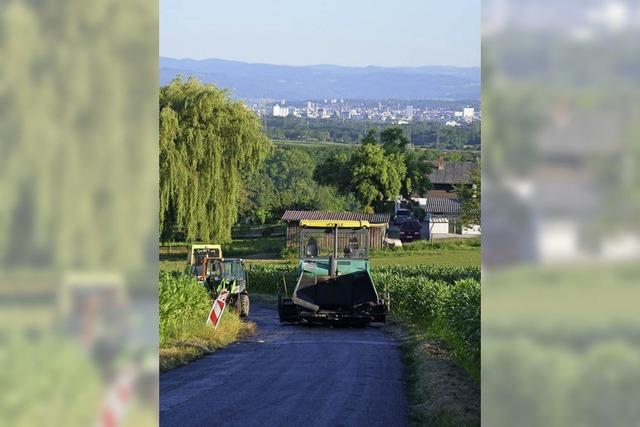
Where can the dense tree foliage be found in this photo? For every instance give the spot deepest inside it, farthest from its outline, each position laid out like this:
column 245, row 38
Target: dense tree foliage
column 418, row 167
column 208, row 143
column 393, row 140
column 420, row 133
column 470, row 196
column 376, row 175
column 374, row 172
column 285, row 181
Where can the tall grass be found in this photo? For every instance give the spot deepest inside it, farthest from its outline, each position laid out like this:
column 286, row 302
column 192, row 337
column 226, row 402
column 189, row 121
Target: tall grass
column 184, row 334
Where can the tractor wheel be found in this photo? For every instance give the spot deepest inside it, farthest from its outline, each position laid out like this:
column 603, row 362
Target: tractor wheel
column 243, row 304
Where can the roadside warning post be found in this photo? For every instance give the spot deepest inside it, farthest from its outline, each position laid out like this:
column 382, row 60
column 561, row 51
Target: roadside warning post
column 217, row 309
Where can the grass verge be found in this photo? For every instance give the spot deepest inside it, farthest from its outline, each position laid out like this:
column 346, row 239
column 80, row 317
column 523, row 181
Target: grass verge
column 440, row 393
column 184, row 334
column 194, row 339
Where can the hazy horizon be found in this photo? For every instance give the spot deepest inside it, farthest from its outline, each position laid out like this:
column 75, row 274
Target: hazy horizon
column 188, row 58
column 358, row 33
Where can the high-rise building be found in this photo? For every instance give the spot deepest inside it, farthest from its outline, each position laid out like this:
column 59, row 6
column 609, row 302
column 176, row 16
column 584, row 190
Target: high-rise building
column 279, row 111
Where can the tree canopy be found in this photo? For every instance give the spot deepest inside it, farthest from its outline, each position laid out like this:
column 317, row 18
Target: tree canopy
column 377, row 176
column 207, row 144
column 285, row 181
column 371, row 173
column 470, row 196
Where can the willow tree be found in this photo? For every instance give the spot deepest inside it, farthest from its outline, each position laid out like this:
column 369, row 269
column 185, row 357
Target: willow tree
column 207, row 143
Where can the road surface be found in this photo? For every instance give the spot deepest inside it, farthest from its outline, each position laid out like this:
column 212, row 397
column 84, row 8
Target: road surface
column 290, row 375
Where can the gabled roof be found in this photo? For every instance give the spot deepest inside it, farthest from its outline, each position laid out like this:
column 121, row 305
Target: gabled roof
column 336, row 216
column 452, row 172
column 442, row 206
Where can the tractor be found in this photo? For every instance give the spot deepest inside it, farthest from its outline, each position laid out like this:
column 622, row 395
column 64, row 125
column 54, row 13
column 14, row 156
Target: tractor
column 215, row 273
column 229, row 274
column 196, row 256
column 334, row 282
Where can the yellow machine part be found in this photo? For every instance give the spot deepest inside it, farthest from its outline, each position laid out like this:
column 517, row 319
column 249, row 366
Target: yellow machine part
column 321, row 223
column 191, row 255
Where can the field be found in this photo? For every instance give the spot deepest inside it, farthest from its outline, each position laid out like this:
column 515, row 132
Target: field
column 261, row 250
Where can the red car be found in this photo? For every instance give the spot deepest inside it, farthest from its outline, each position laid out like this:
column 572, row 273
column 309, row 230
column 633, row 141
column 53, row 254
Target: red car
column 409, row 231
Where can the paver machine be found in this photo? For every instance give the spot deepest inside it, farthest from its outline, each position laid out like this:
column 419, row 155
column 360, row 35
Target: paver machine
column 334, row 280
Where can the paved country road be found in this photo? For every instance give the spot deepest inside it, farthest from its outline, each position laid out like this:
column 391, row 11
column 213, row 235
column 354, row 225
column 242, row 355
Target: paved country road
column 290, row 375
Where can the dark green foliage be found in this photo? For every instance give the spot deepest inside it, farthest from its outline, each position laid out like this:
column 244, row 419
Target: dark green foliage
column 423, row 134
column 286, row 181
column 335, row 170
column 418, row 170
column 470, row 196
column 393, row 140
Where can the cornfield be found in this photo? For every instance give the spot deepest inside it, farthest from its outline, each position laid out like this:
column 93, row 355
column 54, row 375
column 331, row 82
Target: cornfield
column 181, row 301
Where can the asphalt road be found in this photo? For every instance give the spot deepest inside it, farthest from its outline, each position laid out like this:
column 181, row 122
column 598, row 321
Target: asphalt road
column 290, row 375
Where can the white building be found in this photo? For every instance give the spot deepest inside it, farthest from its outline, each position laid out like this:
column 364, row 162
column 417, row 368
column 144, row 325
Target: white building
column 279, row 111
column 468, row 113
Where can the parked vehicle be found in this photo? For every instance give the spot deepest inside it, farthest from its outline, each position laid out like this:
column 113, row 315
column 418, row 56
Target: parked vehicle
column 401, row 216
column 229, row 274
column 196, row 255
column 410, row 231
column 334, row 282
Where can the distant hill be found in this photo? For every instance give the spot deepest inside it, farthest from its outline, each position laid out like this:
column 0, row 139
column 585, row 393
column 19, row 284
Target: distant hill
column 254, row 81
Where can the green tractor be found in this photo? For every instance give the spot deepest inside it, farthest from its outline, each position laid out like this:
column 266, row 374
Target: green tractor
column 334, row 283
column 229, row 274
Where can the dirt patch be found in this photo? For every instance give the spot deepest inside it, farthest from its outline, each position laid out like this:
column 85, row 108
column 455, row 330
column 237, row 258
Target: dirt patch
column 440, row 392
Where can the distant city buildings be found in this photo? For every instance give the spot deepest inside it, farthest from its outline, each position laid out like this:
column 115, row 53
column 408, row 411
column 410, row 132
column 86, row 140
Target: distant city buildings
column 468, row 112
column 279, row 111
column 409, row 112
column 380, row 111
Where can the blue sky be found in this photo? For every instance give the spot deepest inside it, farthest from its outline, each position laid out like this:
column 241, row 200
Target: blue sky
column 347, row 32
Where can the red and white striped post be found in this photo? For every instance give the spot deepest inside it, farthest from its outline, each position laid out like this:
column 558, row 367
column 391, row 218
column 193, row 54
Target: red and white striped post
column 217, row 309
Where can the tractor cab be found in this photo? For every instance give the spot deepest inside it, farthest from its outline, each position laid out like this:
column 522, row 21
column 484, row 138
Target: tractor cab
column 196, row 256
column 334, row 280
column 229, row 274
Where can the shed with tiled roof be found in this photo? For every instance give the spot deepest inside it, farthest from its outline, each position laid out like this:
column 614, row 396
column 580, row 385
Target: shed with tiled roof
column 376, row 234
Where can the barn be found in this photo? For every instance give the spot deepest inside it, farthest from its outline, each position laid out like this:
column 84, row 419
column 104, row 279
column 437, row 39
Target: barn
column 377, row 232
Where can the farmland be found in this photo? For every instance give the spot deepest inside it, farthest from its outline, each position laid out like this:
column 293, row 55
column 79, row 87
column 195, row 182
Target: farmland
column 267, row 250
